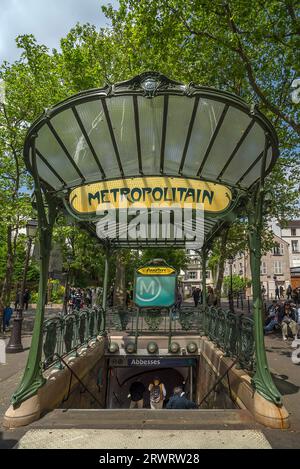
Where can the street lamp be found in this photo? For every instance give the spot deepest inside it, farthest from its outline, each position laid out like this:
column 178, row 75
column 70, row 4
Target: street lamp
column 230, row 262
column 15, row 344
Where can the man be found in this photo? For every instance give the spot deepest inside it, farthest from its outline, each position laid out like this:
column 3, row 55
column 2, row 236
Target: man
column 179, row 400
column 18, row 299
column 289, row 292
column 26, row 298
column 196, row 295
column 136, row 394
column 289, row 322
column 157, row 394
column 277, row 296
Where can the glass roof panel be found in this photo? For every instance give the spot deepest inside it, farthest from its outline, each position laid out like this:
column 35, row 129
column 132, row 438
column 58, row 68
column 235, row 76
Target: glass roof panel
column 206, row 121
column 47, row 144
column 46, row 173
column 254, row 174
column 70, row 133
column 250, row 149
column 180, row 111
column 122, row 118
column 151, row 118
column 234, row 125
column 93, row 118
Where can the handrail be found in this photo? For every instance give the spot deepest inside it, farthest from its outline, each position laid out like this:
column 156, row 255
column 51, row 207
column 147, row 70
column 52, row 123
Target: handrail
column 218, row 381
column 116, row 397
column 78, row 379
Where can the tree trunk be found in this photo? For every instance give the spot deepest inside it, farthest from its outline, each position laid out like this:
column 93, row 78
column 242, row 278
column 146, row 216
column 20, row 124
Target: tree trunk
column 224, row 236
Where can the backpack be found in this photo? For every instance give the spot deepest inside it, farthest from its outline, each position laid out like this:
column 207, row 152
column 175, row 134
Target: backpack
column 156, row 393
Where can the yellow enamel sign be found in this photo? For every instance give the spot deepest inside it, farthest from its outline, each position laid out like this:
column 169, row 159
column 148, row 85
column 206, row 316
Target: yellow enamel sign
column 156, row 270
column 149, row 191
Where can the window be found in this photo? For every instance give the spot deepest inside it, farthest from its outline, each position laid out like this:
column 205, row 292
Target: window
column 293, row 231
column 278, row 249
column 277, row 267
column 208, row 274
column 295, row 246
column 263, row 268
column 192, row 275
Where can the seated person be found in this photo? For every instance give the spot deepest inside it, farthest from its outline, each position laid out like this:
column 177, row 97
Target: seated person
column 274, row 317
column 289, row 321
column 271, row 312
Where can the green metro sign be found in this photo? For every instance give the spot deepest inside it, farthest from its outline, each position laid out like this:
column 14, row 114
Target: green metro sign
column 155, row 289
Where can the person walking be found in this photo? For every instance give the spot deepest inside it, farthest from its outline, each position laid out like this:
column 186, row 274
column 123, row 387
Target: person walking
column 18, row 299
column 157, row 394
column 26, row 298
column 179, row 400
column 277, row 295
column 196, row 295
column 289, row 292
column 136, row 394
column 7, row 314
column 211, row 297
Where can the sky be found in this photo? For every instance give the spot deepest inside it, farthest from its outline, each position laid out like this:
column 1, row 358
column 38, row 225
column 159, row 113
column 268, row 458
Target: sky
column 47, row 20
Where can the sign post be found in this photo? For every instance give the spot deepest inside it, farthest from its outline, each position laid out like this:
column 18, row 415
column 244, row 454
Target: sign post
column 155, row 287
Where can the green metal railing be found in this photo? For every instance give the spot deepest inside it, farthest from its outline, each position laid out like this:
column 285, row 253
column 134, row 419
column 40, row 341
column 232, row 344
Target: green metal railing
column 65, row 334
column 161, row 321
column 232, row 333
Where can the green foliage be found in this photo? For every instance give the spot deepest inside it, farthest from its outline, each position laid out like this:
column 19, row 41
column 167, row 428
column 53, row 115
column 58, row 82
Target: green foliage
column 57, row 291
column 238, row 284
column 248, row 48
column 176, row 258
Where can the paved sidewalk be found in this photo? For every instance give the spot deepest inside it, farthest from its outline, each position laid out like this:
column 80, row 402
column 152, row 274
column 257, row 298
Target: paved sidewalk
column 10, row 376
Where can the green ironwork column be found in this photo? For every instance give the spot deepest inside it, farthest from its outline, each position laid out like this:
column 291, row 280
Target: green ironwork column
column 204, row 255
column 33, row 378
column 262, row 380
column 105, row 285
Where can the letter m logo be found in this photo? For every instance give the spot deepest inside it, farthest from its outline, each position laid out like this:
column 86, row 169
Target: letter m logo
column 144, row 288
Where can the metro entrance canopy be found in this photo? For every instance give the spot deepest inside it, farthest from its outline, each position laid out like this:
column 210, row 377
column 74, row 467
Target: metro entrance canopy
column 145, row 140
column 151, row 139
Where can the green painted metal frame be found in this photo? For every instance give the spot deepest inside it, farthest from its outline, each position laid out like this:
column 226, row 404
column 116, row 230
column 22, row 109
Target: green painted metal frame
column 47, row 208
column 262, row 380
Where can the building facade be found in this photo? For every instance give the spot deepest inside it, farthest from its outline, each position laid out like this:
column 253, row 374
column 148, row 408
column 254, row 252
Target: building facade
column 275, row 268
column 291, row 234
column 192, row 275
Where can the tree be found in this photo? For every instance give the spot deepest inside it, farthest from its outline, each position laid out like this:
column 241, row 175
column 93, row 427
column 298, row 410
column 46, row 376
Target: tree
column 250, row 49
column 238, row 284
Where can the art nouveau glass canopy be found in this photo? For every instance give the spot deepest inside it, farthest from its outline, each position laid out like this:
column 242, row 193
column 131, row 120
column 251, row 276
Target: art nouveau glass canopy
column 151, row 126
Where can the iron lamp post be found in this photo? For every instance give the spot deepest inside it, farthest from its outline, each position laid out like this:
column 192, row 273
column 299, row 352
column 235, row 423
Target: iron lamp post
column 15, row 343
column 230, row 262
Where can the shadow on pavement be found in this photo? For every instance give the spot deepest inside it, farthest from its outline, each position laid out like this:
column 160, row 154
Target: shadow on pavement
column 7, row 443
column 284, row 386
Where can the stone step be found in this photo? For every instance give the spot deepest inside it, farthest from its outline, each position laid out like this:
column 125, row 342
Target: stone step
column 75, row 438
column 147, row 419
